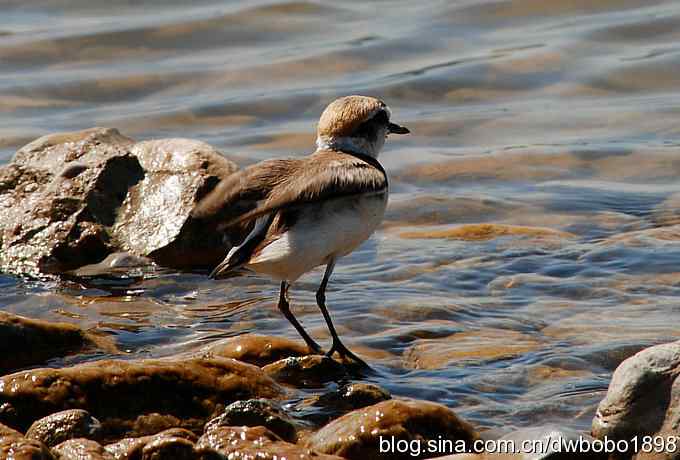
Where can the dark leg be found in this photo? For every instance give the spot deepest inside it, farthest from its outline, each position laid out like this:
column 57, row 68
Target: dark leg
column 284, row 307
column 338, row 346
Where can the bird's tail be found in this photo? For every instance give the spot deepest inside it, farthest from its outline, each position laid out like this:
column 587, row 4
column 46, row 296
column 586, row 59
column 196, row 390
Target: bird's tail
column 226, row 268
column 239, row 256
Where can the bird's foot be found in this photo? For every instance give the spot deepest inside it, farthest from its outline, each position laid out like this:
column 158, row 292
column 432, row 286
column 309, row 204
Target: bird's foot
column 345, row 354
column 314, row 347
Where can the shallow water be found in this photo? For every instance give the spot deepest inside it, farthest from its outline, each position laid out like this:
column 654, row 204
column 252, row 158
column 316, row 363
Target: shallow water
column 560, row 117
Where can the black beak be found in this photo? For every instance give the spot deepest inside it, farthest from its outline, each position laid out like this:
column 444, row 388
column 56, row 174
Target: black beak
column 396, row 129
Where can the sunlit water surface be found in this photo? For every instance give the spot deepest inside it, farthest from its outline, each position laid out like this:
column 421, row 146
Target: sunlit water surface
column 560, row 116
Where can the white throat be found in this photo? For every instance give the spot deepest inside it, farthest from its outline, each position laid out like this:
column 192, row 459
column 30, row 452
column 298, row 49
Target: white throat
column 351, row 144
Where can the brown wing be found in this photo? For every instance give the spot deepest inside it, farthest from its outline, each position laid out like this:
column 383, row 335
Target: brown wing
column 323, row 175
column 245, row 190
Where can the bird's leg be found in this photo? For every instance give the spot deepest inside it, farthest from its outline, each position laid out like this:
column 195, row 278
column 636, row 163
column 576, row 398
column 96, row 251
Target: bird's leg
column 337, row 346
column 284, row 307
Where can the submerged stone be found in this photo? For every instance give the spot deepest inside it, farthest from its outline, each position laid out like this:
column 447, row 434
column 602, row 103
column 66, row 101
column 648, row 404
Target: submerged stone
column 27, row 342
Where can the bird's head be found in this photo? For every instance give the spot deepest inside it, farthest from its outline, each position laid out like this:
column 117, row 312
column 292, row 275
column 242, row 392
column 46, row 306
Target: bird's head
column 356, row 124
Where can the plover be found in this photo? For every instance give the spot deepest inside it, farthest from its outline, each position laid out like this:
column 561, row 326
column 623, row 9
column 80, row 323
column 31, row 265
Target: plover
column 311, row 211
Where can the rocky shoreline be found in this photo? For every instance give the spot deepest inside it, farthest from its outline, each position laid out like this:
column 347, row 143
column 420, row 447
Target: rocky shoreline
column 96, row 203
column 227, row 401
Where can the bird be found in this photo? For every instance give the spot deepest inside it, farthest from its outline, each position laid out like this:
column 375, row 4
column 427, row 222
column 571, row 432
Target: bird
column 302, row 213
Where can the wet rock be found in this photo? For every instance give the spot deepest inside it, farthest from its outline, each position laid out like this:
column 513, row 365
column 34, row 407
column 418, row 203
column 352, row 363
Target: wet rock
column 71, row 199
column 170, row 442
column 251, row 442
column 26, row 342
column 643, row 398
column 345, row 398
column 20, row 448
column 155, row 218
column 118, row 393
column 61, row 426
column 81, row 449
column 356, row 435
column 355, row 396
column 256, row 412
column 257, row 349
column 7, row 431
column 168, row 447
column 308, row 371
column 56, row 220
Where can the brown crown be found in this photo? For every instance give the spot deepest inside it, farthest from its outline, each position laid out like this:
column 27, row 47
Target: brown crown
column 344, row 115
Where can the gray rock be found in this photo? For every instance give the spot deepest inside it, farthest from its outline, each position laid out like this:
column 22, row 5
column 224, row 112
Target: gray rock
column 62, row 426
column 71, row 199
column 56, row 220
column 643, row 399
column 155, row 218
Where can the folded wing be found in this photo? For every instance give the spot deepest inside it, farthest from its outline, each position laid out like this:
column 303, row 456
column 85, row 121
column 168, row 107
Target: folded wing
column 322, row 176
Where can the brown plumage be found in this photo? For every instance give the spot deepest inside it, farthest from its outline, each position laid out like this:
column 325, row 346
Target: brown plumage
column 299, row 213
column 273, row 185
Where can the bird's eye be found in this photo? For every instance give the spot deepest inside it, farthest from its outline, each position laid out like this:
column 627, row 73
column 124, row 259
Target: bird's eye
column 380, row 117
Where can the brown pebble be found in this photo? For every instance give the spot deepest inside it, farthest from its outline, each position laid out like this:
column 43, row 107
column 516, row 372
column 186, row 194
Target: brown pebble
column 81, row 449
column 251, row 442
column 133, row 448
column 118, row 392
column 256, row 412
column 308, row 371
column 20, row 448
column 356, row 435
column 61, row 426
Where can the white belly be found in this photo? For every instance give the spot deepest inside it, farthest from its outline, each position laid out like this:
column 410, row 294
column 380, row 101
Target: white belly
column 321, row 233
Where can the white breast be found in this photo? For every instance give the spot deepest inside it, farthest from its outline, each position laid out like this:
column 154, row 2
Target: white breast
column 323, row 231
